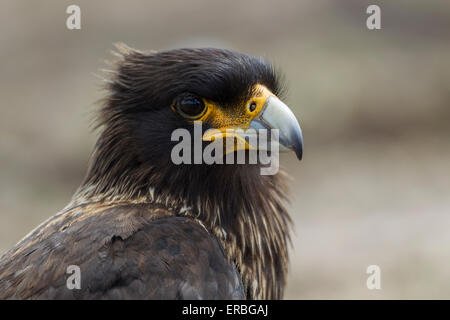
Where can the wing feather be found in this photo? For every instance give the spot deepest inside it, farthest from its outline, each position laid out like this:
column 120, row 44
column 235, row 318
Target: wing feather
column 124, row 251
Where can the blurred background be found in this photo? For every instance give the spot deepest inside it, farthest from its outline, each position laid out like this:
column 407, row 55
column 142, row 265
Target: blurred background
column 374, row 185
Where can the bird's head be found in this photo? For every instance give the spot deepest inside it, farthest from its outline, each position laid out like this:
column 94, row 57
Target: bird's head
column 153, row 94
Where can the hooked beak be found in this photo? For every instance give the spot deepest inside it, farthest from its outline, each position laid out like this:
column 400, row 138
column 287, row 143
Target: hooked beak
column 269, row 114
column 277, row 115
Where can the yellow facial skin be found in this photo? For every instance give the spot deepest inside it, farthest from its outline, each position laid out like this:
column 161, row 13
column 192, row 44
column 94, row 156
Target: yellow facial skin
column 237, row 117
column 227, row 121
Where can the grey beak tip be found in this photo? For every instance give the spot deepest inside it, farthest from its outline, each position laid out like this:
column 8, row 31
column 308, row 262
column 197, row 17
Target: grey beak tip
column 298, row 149
column 297, row 143
column 299, row 153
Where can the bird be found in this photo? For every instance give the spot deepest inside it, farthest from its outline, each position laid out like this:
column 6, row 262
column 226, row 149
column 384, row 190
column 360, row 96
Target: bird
column 142, row 227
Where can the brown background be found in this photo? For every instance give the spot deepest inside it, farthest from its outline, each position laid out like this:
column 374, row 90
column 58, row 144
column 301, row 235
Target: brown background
column 373, row 187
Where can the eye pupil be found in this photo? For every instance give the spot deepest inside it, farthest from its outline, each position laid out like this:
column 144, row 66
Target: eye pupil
column 191, row 107
column 252, row 106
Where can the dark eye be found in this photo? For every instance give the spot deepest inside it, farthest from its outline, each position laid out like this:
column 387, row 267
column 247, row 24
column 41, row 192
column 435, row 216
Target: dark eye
column 190, row 107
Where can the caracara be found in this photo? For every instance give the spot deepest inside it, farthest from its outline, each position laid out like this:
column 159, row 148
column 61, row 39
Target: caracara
column 143, row 227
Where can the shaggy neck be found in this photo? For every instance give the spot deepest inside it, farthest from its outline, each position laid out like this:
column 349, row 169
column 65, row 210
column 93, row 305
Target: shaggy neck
column 243, row 209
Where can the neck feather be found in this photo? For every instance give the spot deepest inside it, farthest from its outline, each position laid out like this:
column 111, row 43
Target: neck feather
column 242, row 208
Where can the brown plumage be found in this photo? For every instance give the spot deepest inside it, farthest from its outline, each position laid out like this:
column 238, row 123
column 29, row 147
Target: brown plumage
column 141, row 227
